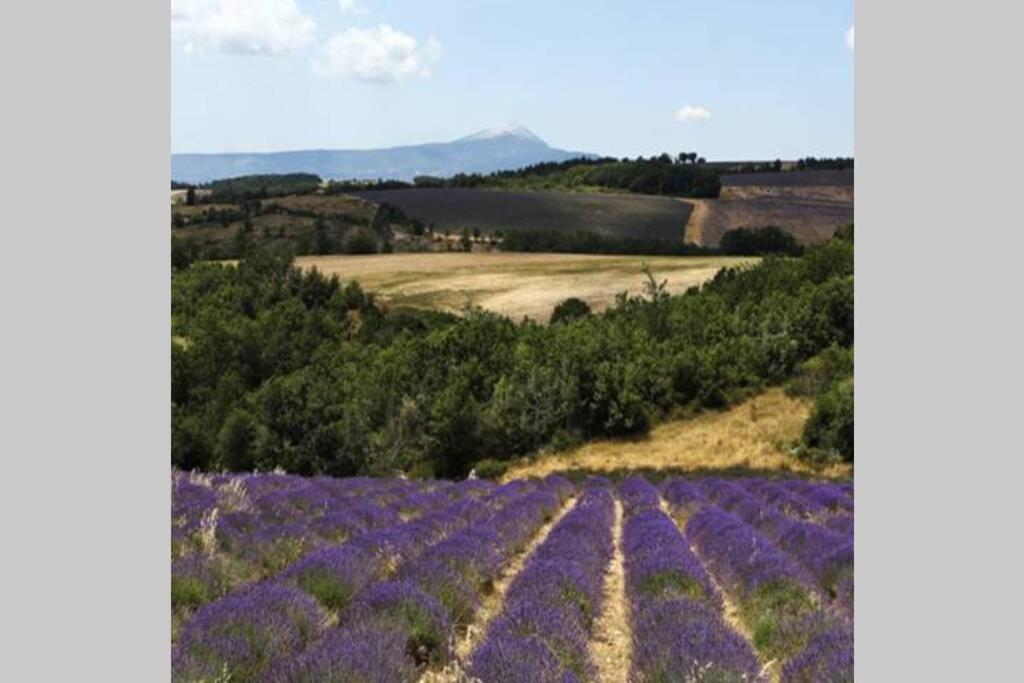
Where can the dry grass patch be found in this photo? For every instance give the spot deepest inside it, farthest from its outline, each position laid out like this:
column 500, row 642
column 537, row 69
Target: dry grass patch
column 513, row 284
column 752, row 435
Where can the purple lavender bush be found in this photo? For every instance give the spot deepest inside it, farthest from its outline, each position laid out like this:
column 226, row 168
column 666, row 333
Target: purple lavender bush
column 675, row 611
column 768, row 587
column 550, row 607
column 361, row 653
column 245, row 634
column 828, row 658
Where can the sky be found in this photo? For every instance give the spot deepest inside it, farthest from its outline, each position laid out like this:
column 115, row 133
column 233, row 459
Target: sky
column 730, row 80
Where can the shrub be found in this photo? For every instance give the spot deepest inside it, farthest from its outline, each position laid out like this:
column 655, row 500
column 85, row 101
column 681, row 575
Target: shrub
column 569, row 310
column 829, row 429
column 361, row 241
column 819, row 373
column 490, row 468
column 757, row 241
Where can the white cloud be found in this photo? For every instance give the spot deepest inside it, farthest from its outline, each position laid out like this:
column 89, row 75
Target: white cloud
column 849, row 37
column 689, row 113
column 377, row 55
column 353, row 7
column 258, row 27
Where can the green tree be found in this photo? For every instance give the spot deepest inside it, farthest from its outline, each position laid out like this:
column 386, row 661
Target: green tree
column 235, row 441
column 569, row 310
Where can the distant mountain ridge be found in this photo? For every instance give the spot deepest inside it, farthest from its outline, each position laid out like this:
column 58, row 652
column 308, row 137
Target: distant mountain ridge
column 507, row 147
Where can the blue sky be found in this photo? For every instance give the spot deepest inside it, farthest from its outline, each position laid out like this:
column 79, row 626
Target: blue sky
column 730, row 79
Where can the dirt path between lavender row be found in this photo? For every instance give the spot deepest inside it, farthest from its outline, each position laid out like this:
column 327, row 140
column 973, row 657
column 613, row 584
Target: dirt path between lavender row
column 611, row 643
column 492, row 605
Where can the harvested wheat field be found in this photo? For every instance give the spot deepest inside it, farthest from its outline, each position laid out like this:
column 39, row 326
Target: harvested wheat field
column 753, row 435
column 517, row 285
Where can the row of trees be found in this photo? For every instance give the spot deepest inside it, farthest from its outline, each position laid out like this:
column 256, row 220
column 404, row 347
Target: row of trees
column 276, row 367
column 260, row 186
column 685, row 175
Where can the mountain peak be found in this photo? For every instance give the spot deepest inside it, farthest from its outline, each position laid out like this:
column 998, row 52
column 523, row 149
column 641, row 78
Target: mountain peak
column 517, row 130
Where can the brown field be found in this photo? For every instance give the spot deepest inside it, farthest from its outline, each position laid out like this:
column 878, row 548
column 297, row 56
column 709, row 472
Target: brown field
column 752, row 437
column 513, row 284
column 326, row 205
column 619, row 215
column 808, row 204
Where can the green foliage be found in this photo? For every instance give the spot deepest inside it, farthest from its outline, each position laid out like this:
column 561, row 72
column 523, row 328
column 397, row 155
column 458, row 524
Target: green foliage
column 825, row 163
column 262, row 186
column 828, row 433
column 772, row 608
column 569, row 310
column 817, row 374
column 188, row 592
column 236, row 440
column 588, row 242
column 361, row 241
column 276, row 367
column 758, row 241
column 331, row 590
column 490, row 468
column 669, row 584
column 660, row 174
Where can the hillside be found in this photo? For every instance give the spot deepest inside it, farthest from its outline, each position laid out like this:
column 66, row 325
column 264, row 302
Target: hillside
column 752, row 436
column 483, row 152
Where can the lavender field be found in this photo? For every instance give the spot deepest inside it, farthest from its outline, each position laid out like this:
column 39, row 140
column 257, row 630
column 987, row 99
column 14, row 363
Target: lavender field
column 285, row 578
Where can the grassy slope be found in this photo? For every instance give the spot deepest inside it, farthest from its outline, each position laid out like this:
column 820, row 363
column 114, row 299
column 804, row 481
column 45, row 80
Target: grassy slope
column 750, row 437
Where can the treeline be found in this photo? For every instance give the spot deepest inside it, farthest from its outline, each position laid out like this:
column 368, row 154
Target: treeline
column 273, row 367
column 757, row 241
column 249, row 187
column 685, row 175
column 735, row 242
column 233, row 190
column 589, row 242
column 824, row 163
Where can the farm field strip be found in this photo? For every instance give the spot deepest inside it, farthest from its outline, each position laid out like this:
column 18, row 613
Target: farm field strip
column 674, row 602
column 777, row 603
column 609, row 213
column 492, row 603
column 429, row 597
column 544, row 630
column 540, row 580
column 334, row 575
column 513, row 284
column 826, row 555
column 229, row 531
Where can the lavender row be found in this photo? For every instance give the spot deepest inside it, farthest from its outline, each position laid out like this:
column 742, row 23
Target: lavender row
column 397, row 627
column 825, row 555
column 263, row 530
column 242, row 633
column 542, row 634
column 775, row 601
column 247, row 506
column 675, row 610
